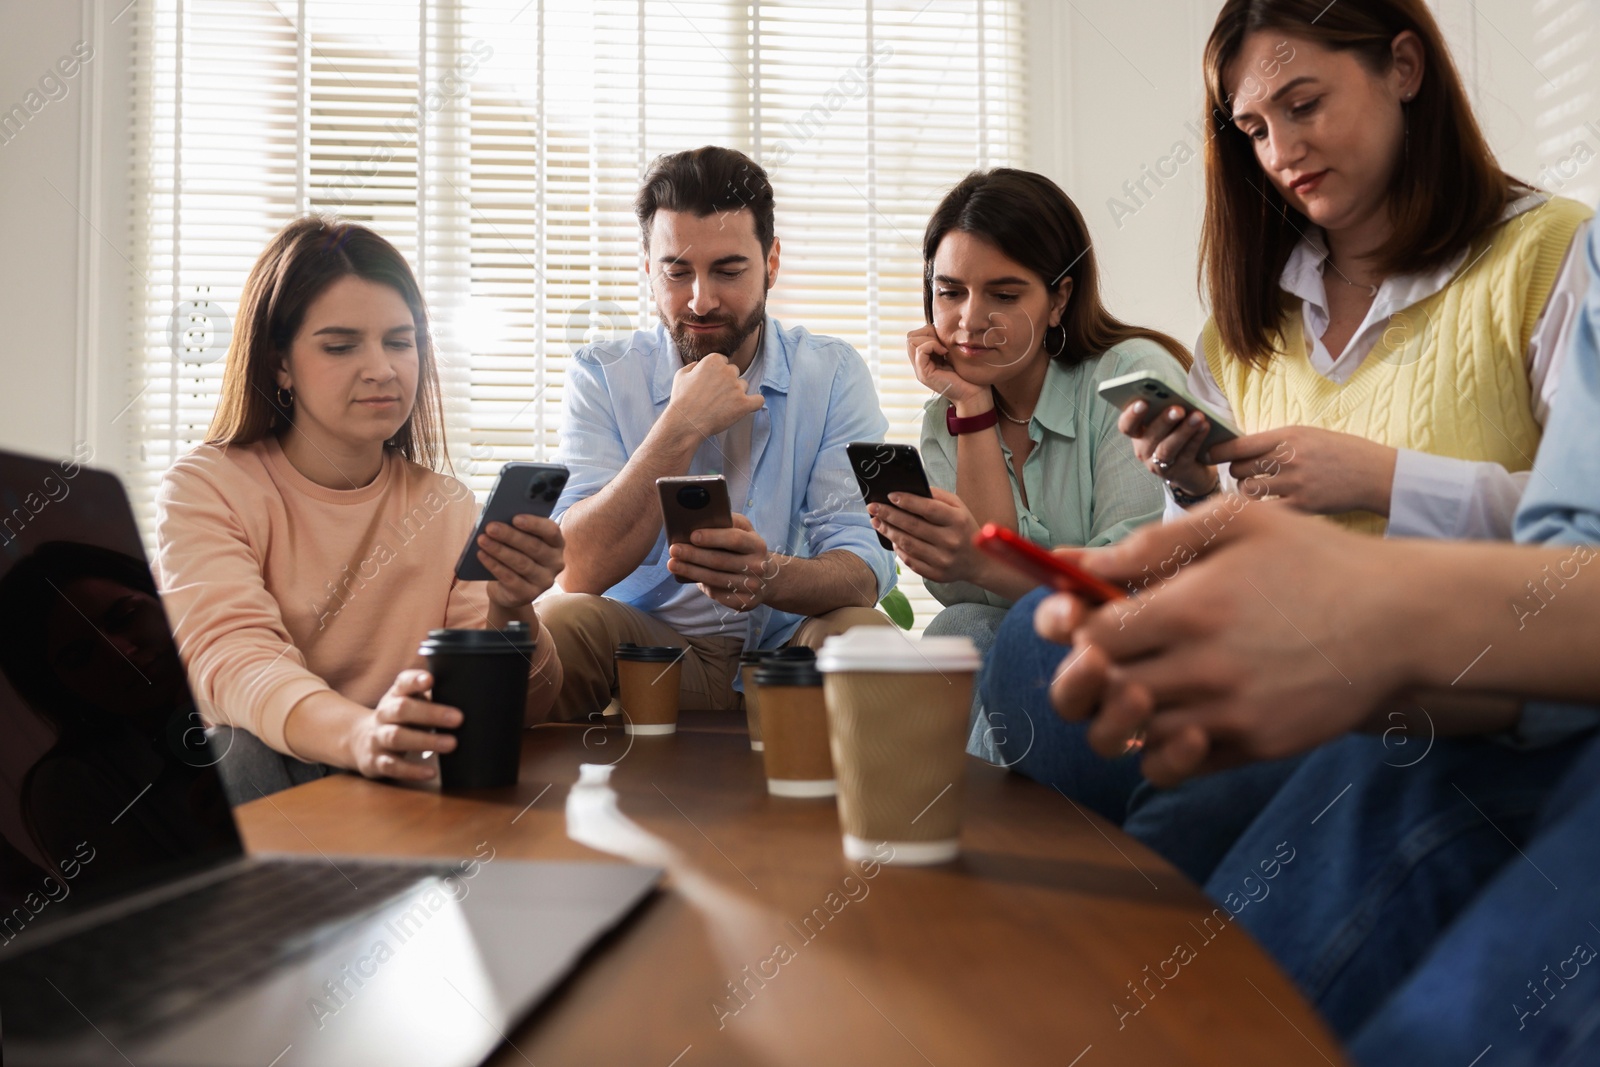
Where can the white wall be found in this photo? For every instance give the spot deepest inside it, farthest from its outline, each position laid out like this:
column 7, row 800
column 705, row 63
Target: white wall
column 64, row 228
column 1116, row 85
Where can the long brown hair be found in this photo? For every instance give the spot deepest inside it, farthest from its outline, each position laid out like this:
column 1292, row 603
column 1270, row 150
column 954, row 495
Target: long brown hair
column 1447, row 191
column 298, row 265
column 1033, row 222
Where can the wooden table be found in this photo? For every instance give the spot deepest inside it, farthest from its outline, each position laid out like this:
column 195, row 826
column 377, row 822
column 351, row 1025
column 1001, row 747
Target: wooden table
column 1055, row 939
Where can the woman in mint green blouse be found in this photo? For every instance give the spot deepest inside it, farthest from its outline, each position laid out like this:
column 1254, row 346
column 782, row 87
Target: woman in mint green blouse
column 1017, row 343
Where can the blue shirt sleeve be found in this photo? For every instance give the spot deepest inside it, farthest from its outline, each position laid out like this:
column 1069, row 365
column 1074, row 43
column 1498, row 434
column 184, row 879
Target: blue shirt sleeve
column 591, row 445
column 1562, row 501
column 833, row 515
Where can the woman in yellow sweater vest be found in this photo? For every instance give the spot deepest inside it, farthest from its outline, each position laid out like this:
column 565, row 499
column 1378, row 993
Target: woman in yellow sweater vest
column 307, row 548
column 1389, row 308
column 1390, row 314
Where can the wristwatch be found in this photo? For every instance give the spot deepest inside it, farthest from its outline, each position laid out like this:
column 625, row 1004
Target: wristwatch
column 971, row 424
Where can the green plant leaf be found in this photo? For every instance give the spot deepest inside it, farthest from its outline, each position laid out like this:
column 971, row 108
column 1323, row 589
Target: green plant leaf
column 898, row 608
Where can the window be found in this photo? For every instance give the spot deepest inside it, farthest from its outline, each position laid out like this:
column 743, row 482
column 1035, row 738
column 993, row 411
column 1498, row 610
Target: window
column 499, row 144
column 1567, row 139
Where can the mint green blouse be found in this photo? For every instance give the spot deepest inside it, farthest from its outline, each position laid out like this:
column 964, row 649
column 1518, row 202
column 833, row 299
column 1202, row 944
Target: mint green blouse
column 1085, row 485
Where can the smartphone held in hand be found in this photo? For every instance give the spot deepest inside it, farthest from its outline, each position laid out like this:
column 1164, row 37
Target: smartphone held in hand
column 694, row 502
column 520, row 489
column 882, row 468
column 1160, row 393
column 1044, row 567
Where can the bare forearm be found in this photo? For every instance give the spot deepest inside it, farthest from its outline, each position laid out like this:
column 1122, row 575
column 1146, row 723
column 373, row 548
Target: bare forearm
column 319, row 728
column 1004, row 581
column 981, row 479
column 609, row 534
column 1413, row 719
column 1499, row 619
column 837, row 579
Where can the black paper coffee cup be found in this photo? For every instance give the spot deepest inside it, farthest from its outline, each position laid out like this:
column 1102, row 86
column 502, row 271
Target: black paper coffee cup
column 484, row 673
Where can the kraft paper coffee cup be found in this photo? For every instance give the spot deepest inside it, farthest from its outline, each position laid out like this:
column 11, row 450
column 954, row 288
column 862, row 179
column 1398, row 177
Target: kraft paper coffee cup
column 897, row 727
column 647, row 680
column 794, row 720
column 484, row 673
column 748, row 664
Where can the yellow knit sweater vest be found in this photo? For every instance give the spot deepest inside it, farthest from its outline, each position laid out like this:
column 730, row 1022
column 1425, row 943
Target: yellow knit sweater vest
column 1449, row 375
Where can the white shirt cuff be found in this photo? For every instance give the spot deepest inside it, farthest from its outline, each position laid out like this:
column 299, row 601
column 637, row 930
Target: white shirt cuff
column 1452, row 499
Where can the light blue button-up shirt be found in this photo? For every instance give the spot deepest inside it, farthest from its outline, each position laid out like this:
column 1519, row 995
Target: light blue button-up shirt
column 803, row 499
column 1561, row 505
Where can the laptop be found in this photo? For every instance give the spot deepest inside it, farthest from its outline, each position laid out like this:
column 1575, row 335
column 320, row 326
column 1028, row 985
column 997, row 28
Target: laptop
column 133, row 927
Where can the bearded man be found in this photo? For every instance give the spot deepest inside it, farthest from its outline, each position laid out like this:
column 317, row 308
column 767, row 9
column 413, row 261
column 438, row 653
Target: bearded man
column 718, row 387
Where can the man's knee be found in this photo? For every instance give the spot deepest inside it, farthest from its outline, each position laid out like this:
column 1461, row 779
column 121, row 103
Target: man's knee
column 837, row 622
column 572, row 617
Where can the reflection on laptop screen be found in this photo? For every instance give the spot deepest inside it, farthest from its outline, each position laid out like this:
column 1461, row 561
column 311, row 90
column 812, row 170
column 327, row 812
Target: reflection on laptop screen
column 106, row 782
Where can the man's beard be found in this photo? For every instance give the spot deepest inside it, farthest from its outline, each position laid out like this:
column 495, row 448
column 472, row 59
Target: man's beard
column 694, row 347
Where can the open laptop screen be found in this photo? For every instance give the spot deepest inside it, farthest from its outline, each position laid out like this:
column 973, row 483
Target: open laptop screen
column 106, row 783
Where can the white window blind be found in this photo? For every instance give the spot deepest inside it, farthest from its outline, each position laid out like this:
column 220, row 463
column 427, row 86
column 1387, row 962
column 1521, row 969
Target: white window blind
column 499, row 145
column 1568, row 135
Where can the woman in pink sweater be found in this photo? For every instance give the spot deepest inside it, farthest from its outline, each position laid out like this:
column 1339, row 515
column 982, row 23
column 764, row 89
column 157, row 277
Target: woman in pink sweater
column 307, row 548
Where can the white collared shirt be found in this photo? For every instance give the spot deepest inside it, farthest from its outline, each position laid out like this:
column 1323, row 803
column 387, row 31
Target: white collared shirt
column 1433, row 496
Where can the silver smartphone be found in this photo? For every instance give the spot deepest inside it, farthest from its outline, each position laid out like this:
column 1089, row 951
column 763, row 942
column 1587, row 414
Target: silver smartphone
column 1157, row 391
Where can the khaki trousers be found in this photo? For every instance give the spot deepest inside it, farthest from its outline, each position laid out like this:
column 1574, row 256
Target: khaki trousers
column 587, row 630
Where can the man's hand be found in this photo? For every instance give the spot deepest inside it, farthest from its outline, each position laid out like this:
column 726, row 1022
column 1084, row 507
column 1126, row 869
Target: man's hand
column 708, row 397
column 1322, row 472
column 1275, row 635
column 733, row 566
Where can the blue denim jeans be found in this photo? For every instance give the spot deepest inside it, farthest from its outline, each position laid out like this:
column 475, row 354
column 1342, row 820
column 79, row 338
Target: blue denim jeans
column 1026, row 733
column 1509, row 972
column 1388, row 854
column 1192, row 826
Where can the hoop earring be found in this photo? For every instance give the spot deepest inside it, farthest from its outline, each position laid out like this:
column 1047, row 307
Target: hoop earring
column 285, row 399
column 1062, row 347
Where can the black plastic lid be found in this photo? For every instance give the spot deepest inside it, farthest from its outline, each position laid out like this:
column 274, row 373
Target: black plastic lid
column 790, row 672
column 516, row 638
column 754, row 655
column 647, row 653
column 794, row 654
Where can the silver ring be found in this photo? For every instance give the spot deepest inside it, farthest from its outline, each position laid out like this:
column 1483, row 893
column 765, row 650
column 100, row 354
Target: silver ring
column 1163, row 466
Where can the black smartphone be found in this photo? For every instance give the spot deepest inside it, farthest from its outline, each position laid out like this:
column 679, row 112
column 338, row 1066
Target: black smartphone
column 693, row 502
column 521, row 489
column 882, row 468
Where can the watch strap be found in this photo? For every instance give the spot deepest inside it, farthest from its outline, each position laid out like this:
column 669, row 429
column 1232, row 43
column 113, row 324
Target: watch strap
column 957, row 425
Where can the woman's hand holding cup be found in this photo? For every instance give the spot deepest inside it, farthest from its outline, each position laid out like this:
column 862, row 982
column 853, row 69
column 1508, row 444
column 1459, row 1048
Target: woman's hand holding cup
column 402, row 724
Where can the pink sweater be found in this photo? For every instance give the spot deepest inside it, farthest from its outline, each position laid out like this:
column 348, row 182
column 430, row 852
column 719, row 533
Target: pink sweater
column 280, row 588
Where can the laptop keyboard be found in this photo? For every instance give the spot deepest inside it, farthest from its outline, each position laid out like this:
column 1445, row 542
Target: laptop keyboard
column 157, row 963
